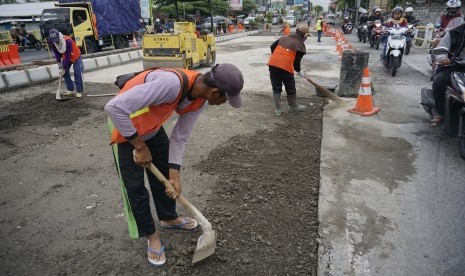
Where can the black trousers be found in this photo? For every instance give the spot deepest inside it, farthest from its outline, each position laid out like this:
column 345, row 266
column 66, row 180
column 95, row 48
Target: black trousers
column 440, row 82
column 140, row 220
column 279, row 77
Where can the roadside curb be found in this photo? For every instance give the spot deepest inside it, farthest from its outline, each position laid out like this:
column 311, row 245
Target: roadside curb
column 91, row 62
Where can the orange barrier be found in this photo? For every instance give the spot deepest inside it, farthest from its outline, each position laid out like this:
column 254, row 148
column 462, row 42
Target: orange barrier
column 14, row 54
column 4, row 56
column 364, row 105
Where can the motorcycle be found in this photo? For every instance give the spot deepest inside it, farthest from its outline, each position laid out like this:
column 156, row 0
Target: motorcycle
column 32, row 43
column 362, row 33
column 454, row 108
column 394, row 48
column 376, row 33
column 438, row 35
column 410, row 34
column 347, row 28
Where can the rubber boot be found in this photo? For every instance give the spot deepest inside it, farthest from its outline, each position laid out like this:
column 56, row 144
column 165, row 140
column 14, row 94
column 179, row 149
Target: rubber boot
column 277, row 104
column 293, row 106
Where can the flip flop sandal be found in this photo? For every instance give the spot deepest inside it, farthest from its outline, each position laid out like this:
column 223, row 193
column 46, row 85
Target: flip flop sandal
column 186, row 220
column 436, row 122
column 159, row 253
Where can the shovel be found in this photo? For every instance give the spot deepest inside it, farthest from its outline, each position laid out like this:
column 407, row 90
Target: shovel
column 325, row 91
column 58, row 95
column 206, row 244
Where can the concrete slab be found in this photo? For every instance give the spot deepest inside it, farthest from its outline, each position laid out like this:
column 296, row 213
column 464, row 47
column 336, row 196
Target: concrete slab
column 114, row 59
column 124, row 57
column 89, row 64
column 102, row 62
column 2, row 83
column 38, row 74
column 53, row 71
column 16, row 78
column 134, row 55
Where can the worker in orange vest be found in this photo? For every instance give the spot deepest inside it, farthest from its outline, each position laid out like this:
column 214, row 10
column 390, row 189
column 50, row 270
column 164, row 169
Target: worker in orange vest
column 286, row 28
column 287, row 52
column 67, row 54
column 137, row 114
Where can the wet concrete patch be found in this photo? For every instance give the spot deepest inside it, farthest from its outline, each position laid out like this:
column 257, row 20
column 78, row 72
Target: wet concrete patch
column 379, row 161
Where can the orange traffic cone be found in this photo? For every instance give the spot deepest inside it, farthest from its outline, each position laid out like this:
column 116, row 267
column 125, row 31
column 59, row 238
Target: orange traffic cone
column 134, row 42
column 364, row 105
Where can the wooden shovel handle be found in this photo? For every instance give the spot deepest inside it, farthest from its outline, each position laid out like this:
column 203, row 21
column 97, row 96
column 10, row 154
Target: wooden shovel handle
column 204, row 223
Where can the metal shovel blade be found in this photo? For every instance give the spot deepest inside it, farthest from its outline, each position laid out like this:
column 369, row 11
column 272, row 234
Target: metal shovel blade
column 206, row 245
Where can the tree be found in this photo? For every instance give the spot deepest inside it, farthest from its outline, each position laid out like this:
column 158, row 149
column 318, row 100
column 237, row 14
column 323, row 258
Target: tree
column 318, row 9
column 219, row 7
column 248, row 6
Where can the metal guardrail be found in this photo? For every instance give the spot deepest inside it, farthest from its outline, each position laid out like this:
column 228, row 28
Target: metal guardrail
column 423, row 36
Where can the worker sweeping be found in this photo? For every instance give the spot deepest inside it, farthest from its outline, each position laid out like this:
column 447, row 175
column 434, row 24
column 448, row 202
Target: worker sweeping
column 287, row 52
column 138, row 113
column 67, row 54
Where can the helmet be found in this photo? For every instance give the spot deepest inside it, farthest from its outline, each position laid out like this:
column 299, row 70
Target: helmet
column 377, row 10
column 158, row 20
column 453, row 4
column 397, row 9
column 409, row 9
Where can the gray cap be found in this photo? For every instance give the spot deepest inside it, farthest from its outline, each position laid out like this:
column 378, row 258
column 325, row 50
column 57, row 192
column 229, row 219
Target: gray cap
column 228, row 78
column 54, row 35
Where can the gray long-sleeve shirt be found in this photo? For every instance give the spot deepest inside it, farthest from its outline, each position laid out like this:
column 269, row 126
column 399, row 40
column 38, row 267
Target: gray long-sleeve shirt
column 161, row 87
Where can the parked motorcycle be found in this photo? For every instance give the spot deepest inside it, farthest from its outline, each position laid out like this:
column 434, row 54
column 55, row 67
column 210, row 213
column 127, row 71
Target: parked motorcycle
column 454, row 108
column 410, row 34
column 376, row 33
column 347, row 28
column 362, row 33
column 395, row 48
column 32, row 43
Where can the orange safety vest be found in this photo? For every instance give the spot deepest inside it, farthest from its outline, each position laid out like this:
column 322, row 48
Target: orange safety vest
column 152, row 117
column 283, row 58
column 286, row 31
column 75, row 52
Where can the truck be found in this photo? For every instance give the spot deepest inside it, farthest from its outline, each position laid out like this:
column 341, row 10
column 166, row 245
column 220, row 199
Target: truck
column 183, row 48
column 94, row 24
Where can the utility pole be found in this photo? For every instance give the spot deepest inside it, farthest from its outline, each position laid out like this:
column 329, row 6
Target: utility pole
column 308, row 13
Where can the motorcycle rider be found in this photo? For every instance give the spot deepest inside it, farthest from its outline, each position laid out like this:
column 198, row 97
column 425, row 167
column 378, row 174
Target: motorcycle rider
column 408, row 15
column 363, row 18
column 452, row 11
column 396, row 20
column 157, row 26
column 22, row 32
column 452, row 40
column 376, row 15
column 344, row 25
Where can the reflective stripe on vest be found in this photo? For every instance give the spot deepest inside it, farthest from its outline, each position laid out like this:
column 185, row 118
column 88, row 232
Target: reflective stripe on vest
column 151, row 118
column 75, row 52
column 283, row 58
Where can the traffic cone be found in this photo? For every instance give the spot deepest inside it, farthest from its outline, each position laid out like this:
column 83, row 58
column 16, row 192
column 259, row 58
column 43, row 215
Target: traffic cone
column 364, row 105
column 134, row 42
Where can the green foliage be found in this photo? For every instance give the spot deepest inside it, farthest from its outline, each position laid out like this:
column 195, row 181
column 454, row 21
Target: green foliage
column 167, row 7
column 269, row 17
column 248, row 6
column 318, row 9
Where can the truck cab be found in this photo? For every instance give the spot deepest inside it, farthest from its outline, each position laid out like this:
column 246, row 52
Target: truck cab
column 78, row 21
